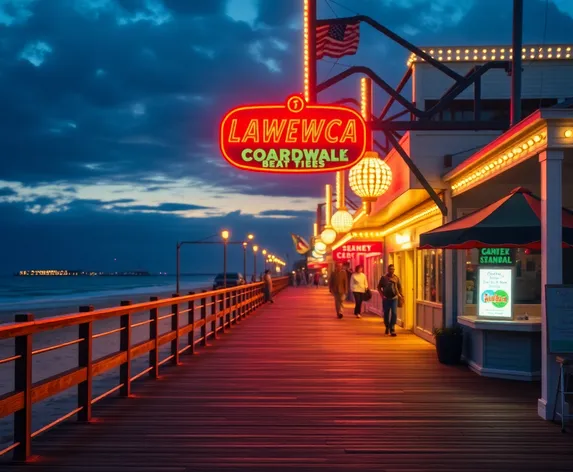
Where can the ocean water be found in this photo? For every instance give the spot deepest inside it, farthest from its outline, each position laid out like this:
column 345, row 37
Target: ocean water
column 51, row 296
column 45, row 292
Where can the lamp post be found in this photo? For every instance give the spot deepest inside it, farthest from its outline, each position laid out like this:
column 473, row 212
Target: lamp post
column 245, row 244
column 225, row 236
column 264, row 252
column 255, row 249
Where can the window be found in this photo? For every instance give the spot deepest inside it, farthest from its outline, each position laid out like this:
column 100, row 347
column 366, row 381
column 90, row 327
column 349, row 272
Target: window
column 430, row 275
column 527, row 282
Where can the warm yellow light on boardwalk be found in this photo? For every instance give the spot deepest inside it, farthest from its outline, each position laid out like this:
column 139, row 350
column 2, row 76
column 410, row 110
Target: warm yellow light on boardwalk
column 255, row 248
column 264, row 252
column 250, row 237
column 225, row 234
column 245, row 244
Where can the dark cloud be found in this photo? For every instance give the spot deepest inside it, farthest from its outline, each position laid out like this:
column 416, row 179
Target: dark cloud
column 305, row 214
column 167, row 207
column 7, row 192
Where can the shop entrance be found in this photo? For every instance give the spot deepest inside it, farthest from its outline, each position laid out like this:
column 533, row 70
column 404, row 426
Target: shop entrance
column 404, row 265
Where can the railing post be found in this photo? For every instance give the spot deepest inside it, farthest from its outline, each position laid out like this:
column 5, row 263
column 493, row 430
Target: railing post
column 23, row 383
column 125, row 345
column 223, row 316
column 191, row 321
column 175, row 327
column 204, row 319
column 85, row 360
column 214, row 313
column 154, row 335
column 229, row 308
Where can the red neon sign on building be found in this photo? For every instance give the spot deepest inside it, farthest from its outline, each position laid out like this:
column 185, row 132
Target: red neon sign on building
column 350, row 250
column 293, row 138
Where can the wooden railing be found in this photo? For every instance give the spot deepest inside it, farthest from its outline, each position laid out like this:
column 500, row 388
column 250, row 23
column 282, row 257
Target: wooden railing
column 195, row 319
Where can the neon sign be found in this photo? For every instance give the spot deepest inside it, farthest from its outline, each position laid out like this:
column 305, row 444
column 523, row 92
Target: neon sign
column 293, row 138
column 350, row 250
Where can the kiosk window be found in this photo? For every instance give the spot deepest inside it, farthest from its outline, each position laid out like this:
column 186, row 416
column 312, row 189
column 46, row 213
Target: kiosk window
column 527, row 283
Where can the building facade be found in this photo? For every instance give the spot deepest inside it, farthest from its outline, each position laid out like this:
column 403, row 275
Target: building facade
column 469, row 170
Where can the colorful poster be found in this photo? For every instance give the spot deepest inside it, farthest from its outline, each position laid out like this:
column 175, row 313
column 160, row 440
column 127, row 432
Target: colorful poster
column 495, row 293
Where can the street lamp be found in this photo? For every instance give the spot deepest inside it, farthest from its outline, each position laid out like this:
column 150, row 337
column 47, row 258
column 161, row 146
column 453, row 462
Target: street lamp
column 225, row 236
column 255, row 250
column 264, row 252
column 245, row 244
column 250, row 236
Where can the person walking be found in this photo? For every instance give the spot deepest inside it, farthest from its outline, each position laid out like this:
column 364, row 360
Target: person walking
column 349, row 296
column 359, row 287
column 390, row 290
column 268, row 288
column 316, row 279
column 338, row 283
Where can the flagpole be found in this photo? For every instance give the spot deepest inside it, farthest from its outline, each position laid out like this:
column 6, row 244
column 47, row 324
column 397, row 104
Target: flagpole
column 309, row 53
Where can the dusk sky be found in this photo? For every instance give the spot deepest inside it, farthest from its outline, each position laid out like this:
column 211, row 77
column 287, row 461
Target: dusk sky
column 110, row 112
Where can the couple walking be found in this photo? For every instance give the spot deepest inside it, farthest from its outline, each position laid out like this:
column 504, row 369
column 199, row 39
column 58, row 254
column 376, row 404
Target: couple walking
column 389, row 287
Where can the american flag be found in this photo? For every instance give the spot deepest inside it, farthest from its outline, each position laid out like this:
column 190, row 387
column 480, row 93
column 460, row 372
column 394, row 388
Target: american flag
column 337, row 40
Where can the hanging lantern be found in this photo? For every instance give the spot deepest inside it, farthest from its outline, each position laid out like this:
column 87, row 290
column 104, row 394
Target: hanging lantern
column 342, row 221
column 319, row 246
column 370, row 178
column 328, row 236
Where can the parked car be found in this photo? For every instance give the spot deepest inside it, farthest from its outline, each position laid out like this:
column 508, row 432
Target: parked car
column 233, row 279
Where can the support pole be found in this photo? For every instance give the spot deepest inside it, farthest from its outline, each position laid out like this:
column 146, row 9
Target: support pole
column 309, row 53
column 551, row 266
column 340, row 190
column 516, row 62
column 224, row 264
column 366, row 109
column 177, row 270
column 328, row 212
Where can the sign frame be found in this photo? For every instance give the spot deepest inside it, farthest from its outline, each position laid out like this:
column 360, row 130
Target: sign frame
column 379, row 244
column 294, row 104
column 550, row 331
column 510, row 269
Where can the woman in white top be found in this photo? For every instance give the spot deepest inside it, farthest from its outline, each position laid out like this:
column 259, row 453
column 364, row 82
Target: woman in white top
column 358, row 286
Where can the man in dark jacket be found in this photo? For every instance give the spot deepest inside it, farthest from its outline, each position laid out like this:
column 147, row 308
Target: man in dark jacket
column 338, row 283
column 390, row 290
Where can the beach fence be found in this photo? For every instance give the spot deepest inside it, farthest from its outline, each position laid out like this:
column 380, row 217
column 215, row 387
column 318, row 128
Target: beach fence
column 135, row 340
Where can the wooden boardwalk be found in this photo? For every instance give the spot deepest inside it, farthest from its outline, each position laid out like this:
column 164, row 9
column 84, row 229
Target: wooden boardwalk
column 294, row 388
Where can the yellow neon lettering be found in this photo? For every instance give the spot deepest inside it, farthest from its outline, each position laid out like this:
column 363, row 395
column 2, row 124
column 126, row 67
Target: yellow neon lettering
column 272, row 130
column 291, row 131
column 232, row 137
column 311, row 130
column 349, row 133
column 252, row 132
column 327, row 132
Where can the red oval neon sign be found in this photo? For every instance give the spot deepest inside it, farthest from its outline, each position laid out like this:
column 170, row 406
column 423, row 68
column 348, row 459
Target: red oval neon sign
column 293, row 138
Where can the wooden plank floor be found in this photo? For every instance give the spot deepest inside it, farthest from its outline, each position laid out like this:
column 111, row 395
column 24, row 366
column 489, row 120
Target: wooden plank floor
column 294, row 388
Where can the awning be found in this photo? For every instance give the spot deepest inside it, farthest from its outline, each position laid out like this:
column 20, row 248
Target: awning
column 513, row 221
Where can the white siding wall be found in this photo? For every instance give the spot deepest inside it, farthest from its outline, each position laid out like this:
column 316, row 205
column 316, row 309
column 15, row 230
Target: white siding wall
column 541, row 79
column 427, row 150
